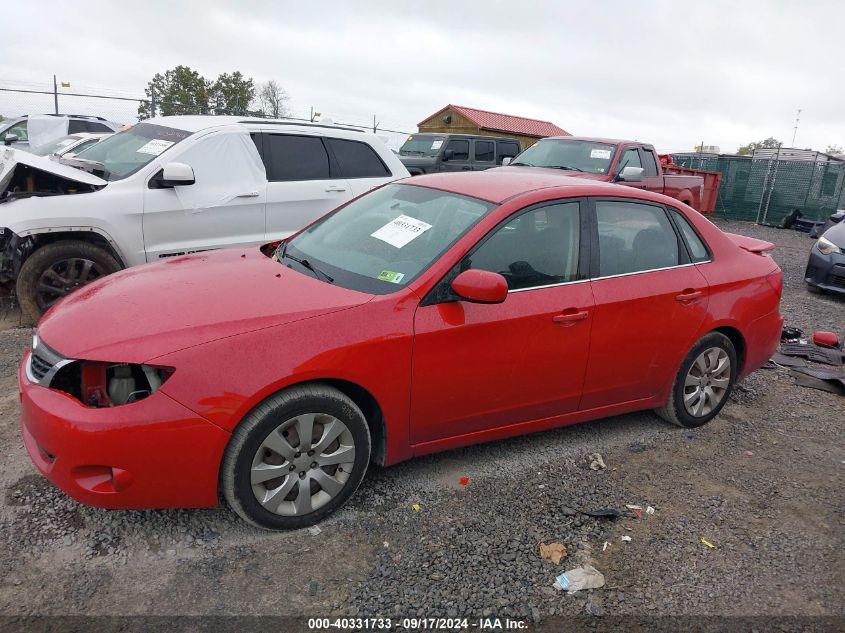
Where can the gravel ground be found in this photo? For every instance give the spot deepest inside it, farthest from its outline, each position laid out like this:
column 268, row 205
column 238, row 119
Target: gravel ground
column 775, row 519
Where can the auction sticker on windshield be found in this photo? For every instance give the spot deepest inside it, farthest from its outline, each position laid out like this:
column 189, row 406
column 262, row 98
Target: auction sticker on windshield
column 401, row 231
column 436, row 144
column 392, row 277
column 600, row 153
column 154, row 147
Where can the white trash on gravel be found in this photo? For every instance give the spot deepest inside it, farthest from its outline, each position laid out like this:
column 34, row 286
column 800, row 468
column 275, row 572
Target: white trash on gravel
column 584, row 577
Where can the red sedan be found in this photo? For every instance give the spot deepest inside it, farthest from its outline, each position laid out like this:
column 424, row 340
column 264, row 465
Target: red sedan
column 426, row 315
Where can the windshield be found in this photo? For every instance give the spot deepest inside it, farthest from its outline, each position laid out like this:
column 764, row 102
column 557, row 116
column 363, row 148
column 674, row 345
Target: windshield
column 383, row 240
column 422, row 145
column 586, row 156
column 55, row 146
column 126, row 152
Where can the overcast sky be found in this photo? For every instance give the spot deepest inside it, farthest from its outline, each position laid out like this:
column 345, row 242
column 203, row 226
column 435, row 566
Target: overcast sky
column 666, row 72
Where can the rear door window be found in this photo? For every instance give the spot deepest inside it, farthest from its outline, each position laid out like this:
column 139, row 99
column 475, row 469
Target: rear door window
column 697, row 250
column 290, row 158
column 634, row 237
column 357, row 159
column 484, row 151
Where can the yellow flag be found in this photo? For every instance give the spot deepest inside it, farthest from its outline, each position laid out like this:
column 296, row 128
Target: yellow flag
column 65, row 84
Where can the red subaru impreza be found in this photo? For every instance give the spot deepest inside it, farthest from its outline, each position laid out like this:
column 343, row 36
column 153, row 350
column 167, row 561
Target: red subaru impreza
column 425, row 315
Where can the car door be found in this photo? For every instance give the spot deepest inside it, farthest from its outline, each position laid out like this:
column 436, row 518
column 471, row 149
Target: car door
column 224, row 207
column 359, row 164
column 483, row 154
column 652, row 180
column 459, row 161
column 304, row 182
column 478, row 366
column 650, row 302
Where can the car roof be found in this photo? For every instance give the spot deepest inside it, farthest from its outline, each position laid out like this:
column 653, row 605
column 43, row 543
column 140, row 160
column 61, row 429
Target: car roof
column 200, row 122
column 595, row 139
column 499, row 185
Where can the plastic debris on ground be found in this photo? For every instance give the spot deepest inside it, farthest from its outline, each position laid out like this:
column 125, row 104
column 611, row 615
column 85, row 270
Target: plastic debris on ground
column 386, row 545
column 649, row 510
column 626, row 538
column 637, row 511
column 605, row 546
column 690, row 436
column 463, row 481
column 706, row 542
column 553, row 552
column 596, row 461
column 415, row 507
column 826, row 339
column 603, row 513
column 749, row 454
column 314, row 530
column 585, row 577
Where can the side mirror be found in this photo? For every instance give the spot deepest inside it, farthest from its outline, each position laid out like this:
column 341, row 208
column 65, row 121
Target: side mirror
column 176, row 175
column 507, row 160
column 630, row 174
column 10, row 138
column 448, row 155
column 480, row 286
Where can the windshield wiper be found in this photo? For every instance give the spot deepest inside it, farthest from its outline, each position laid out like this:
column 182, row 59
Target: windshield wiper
column 566, row 167
column 305, row 263
column 522, row 164
column 411, row 151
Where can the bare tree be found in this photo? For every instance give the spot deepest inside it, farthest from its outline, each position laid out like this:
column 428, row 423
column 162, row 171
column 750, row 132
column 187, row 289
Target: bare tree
column 273, row 99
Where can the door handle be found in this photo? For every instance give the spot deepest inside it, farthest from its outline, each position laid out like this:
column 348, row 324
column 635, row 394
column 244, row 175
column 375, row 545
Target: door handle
column 337, row 189
column 570, row 317
column 689, row 295
column 248, row 194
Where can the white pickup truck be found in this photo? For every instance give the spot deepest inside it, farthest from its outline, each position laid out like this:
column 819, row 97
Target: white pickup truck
column 170, row 186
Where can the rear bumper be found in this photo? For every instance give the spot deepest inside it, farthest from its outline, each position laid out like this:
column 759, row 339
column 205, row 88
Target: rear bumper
column 826, row 271
column 762, row 340
column 151, row 454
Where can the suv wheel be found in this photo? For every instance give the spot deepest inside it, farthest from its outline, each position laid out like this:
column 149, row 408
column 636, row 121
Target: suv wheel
column 703, row 383
column 296, row 458
column 56, row 270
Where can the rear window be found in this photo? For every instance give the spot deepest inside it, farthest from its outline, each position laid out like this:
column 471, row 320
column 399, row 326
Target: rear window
column 357, row 160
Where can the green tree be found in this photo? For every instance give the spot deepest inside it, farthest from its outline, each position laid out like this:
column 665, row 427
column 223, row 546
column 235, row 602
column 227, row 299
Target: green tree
column 232, row 94
column 748, row 150
column 178, row 91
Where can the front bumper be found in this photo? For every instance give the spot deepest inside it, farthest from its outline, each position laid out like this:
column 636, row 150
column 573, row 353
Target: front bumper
column 154, row 453
column 826, row 271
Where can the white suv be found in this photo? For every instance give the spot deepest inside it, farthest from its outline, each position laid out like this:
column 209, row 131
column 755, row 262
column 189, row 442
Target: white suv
column 170, row 186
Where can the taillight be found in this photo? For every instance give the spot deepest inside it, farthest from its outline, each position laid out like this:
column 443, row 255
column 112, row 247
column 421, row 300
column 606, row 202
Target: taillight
column 775, row 280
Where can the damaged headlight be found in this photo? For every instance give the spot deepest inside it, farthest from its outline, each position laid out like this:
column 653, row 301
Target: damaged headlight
column 98, row 384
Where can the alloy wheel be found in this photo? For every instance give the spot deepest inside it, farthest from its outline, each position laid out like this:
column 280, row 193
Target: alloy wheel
column 62, row 278
column 707, row 382
column 302, row 464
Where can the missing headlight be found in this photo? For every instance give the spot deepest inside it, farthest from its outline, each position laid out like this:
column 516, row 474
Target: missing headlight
column 97, row 384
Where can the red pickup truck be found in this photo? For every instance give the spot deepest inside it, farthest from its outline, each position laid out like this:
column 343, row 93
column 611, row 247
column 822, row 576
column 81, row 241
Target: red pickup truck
column 626, row 162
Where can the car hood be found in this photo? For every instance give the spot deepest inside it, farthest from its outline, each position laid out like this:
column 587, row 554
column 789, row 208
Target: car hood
column 144, row 312
column 11, row 157
column 836, row 234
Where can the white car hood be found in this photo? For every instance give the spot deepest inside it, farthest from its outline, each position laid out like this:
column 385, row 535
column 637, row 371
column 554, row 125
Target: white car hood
column 11, row 157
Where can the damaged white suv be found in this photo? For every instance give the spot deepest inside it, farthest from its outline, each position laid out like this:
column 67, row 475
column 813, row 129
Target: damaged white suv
column 170, row 186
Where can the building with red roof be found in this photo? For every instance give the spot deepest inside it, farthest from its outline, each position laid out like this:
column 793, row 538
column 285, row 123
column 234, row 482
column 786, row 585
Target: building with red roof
column 454, row 119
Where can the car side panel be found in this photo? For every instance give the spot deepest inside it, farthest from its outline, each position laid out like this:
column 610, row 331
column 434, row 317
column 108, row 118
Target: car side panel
column 369, row 345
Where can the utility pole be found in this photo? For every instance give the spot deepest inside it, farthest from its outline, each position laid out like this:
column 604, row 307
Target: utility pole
column 55, row 94
column 795, row 129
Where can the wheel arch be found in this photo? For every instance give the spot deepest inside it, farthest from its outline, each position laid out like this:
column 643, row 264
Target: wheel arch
column 738, row 341
column 90, row 235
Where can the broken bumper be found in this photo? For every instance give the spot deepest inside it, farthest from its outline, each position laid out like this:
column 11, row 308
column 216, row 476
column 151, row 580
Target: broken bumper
column 154, row 453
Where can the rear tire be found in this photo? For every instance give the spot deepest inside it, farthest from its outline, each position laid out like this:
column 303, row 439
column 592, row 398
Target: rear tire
column 57, row 269
column 276, row 477
column 703, row 383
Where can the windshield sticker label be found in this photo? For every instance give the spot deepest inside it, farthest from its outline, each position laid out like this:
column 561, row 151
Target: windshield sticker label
column 392, row 277
column 154, row 147
column 436, row 144
column 400, row 231
column 600, row 153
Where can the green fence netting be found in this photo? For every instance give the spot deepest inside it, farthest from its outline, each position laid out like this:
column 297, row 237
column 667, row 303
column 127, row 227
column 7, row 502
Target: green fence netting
column 766, row 191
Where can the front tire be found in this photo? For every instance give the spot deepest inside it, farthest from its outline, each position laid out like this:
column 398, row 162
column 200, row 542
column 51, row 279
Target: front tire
column 57, row 269
column 296, row 458
column 703, row 383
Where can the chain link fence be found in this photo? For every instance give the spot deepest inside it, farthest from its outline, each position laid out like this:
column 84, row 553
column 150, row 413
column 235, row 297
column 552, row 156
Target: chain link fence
column 17, row 98
column 766, row 190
